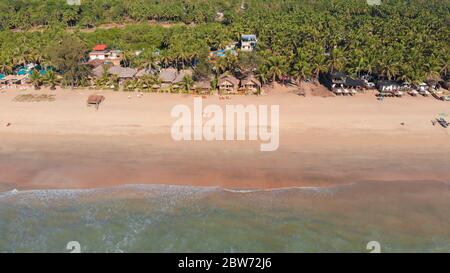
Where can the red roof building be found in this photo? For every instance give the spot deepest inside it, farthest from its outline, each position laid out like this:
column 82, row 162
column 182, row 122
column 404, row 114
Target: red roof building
column 100, row 47
column 101, row 54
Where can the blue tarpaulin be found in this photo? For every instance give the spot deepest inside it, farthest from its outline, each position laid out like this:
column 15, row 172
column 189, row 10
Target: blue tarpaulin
column 22, row 71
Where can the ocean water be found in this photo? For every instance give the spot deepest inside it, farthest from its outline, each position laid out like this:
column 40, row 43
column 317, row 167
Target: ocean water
column 401, row 216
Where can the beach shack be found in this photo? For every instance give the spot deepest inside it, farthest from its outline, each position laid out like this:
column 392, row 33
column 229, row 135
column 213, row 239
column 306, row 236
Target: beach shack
column 358, row 84
column 250, row 84
column 389, row 89
column 17, row 80
column 98, row 71
column 172, row 77
column 202, row 87
column 333, row 80
column 123, row 73
column 248, row 42
column 385, row 86
column 181, row 74
column 146, row 72
column 228, row 84
column 168, row 75
column 3, row 80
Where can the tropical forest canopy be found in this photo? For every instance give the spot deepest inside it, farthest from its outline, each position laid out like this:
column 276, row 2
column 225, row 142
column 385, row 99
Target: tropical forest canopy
column 402, row 40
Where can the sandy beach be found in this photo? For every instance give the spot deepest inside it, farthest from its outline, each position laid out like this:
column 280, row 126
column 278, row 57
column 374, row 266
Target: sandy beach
column 323, row 141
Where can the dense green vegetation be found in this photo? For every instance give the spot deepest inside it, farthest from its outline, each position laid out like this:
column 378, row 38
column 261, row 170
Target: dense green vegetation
column 25, row 14
column 403, row 40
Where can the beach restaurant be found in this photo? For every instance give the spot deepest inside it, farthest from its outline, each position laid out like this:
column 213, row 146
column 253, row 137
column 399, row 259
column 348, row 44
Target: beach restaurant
column 14, row 80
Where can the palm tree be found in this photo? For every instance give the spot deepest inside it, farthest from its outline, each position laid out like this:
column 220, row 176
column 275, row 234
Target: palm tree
column 261, row 74
column 103, row 81
column 131, row 85
column 5, row 66
column 318, row 66
column 127, row 58
column 387, row 42
column 149, row 62
column 182, row 58
column 146, row 82
column 36, row 79
column 277, row 68
column 214, row 84
column 51, row 79
column 188, row 83
column 336, row 60
column 387, row 67
column 432, row 69
column 166, row 60
column 302, row 68
column 114, row 82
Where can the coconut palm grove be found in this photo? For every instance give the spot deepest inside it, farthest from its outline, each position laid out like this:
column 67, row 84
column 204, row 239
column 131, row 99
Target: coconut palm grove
column 403, row 40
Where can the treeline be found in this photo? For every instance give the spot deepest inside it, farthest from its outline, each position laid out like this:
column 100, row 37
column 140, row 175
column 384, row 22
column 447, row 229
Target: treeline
column 402, row 40
column 25, row 14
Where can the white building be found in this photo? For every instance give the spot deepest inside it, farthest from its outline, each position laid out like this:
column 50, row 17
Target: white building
column 248, row 42
column 102, row 53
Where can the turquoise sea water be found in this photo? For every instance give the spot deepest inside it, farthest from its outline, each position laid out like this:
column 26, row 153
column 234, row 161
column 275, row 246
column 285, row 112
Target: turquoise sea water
column 401, row 216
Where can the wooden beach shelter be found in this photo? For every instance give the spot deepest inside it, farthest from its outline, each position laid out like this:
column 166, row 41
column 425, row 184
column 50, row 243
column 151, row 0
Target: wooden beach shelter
column 95, row 100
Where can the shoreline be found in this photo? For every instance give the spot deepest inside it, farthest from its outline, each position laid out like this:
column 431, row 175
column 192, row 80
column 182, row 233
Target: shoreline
column 244, row 191
column 323, row 142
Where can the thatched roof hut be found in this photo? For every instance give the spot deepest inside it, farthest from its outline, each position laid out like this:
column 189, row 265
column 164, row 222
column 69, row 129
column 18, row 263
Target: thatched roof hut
column 228, row 79
column 98, row 71
column 122, row 72
column 205, row 84
column 181, row 74
column 251, row 81
column 168, row 75
column 145, row 72
column 172, row 75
